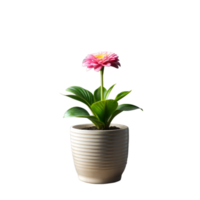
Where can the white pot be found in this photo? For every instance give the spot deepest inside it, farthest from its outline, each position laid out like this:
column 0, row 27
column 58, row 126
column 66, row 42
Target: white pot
column 100, row 156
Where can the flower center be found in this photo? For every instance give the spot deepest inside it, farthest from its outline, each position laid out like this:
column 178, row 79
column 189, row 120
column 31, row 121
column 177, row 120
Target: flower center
column 100, row 56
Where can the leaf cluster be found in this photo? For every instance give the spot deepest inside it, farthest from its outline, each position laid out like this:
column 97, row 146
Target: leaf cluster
column 100, row 112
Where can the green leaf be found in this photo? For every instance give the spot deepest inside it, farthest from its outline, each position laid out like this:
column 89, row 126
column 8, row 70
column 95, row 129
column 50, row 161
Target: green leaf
column 142, row 110
column 103, row 110
column 97, row 93
column 80, row 112
column 108, row 92
column 75, row 112
column 84, row 94
column 122, row 95
column 121, row 108
column 78, row 99
column 127, row 107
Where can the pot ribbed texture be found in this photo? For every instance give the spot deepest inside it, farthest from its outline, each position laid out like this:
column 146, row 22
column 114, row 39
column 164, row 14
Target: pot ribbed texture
column 100, row 156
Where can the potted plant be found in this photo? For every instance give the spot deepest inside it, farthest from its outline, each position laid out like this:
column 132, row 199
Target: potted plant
column 100, row 149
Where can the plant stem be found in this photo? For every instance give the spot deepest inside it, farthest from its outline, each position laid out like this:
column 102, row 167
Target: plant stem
column 104, row 76
column 102, row 83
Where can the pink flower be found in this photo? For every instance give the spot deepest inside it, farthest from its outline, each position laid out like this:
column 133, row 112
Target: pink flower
column 99, row 60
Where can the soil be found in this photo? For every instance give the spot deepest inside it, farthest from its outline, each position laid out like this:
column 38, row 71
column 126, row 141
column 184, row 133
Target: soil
column 95, row 128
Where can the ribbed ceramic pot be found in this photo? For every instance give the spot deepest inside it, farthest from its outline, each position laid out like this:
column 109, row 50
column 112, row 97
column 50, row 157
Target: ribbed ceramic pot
column 100, row 156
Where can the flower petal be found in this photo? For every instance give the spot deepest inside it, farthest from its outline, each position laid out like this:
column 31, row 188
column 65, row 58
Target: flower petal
column 97, row 69
column 107, row 65
column 116, row 65
column 84, row 65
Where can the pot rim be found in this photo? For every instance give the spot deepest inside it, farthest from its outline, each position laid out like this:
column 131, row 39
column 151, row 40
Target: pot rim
column 77, row 128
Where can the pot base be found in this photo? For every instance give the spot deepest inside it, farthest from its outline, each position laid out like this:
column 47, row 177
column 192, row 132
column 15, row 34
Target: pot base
column 99, row 181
